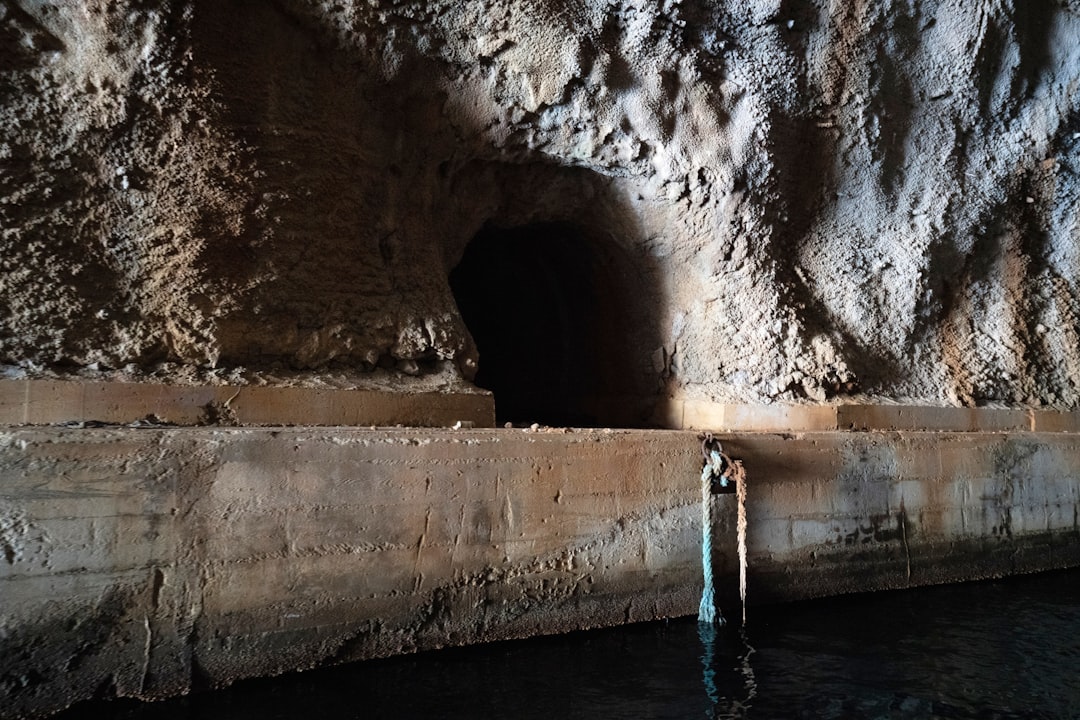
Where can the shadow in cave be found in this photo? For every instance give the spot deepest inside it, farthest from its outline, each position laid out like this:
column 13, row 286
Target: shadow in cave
column 548, row 306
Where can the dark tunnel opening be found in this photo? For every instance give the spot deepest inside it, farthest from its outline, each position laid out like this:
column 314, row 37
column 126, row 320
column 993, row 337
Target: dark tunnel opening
column 546, row 306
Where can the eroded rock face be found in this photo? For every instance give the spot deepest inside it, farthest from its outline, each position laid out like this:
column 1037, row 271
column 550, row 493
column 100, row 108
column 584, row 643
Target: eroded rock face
column 817, row 199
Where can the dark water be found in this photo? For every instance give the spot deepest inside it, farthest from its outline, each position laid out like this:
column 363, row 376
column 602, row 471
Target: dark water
column 1007, row 649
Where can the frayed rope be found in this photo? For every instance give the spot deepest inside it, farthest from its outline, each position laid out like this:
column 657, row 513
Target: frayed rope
column 720, row 470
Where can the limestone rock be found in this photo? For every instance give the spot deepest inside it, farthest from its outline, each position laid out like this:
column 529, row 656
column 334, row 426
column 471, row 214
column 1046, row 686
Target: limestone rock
column 816, row 200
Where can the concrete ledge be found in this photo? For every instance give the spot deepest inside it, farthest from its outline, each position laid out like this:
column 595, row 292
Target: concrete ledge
column 50, row 402
column 691, row 415
column 151, row 561
column 851, row 512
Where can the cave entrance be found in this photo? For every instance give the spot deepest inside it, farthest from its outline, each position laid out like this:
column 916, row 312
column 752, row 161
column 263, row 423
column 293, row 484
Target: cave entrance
column 547, row 307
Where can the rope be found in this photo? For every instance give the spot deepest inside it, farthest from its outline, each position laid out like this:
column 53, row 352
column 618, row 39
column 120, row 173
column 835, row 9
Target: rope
column 707, row 612
column 739, row 478
column 722, row 470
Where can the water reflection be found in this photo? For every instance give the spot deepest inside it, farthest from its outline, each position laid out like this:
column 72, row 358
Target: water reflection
column 726, row 672
column 990, row 650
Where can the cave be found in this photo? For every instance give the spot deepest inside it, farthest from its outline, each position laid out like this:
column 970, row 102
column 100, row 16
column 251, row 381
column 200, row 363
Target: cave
column 545, row 304
column 274, row 276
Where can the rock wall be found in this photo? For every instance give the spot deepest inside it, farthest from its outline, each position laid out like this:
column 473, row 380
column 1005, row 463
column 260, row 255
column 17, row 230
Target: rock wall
column 877, row 199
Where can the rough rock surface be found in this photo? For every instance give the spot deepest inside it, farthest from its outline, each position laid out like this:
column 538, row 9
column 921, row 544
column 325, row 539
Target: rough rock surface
column 816, row 199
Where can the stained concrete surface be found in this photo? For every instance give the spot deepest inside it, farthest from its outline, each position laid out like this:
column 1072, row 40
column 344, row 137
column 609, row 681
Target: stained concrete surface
column 152, row 562
column 54, row 402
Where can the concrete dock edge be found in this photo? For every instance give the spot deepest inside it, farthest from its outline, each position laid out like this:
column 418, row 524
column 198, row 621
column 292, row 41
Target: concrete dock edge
column 152, row 561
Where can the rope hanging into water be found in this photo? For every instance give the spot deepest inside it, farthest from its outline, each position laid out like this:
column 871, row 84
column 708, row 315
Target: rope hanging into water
column 707, row 612
column 738, row 474
column 721, row 471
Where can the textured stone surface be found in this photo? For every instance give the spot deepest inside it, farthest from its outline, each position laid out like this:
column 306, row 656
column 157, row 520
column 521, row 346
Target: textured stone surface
column 809, row 200
column 151, row 562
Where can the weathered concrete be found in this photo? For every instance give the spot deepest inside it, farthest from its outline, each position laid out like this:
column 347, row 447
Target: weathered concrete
column 832, row 512
column 779, row 417
column 46, row 402
column 158, row 560
column 150, row 562
column 51, row 401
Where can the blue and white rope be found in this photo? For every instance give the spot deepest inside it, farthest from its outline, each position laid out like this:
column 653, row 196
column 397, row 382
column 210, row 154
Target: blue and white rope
column 707, row 612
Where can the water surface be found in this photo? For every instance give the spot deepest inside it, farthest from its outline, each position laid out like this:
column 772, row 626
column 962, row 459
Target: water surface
column 1002, row 649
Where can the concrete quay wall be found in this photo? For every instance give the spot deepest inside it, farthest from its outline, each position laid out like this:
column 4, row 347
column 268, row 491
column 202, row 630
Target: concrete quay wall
column 149, row 562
